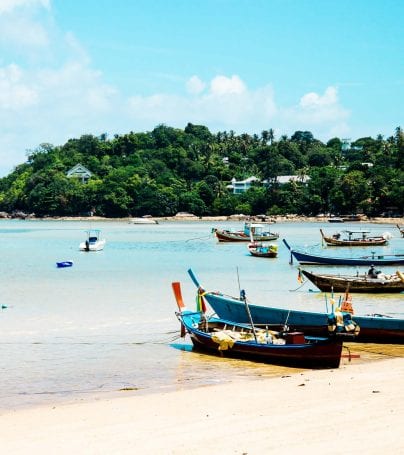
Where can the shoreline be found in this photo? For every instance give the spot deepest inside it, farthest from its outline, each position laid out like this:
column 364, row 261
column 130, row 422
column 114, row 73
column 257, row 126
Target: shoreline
column 231, row 218
column 355, row 407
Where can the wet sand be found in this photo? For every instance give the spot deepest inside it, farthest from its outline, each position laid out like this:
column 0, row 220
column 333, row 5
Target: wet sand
column 358, row 407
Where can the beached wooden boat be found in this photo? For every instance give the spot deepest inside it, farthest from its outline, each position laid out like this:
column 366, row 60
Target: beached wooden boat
column 263, row 250
column 335, row 219
column 374, row 328
column 357, row 283
column 246, row 341
column 354, row 238
column 143, row 220
column 401, row 229
column 373, row 258
column 353, row 217
column 255, row 231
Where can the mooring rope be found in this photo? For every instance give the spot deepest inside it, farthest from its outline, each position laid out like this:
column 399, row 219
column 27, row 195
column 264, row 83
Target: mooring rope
column 300, row 286
column 200, row 238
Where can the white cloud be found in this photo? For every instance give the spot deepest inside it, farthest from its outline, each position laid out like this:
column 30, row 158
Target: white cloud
column 14, row 92
column 322, row 114
column 23, row 32
column 195, row 85
column 56, row 105
column 222, row 85
column 312, row 100
column 7, row 6
column 227, row 105
column 21, row 25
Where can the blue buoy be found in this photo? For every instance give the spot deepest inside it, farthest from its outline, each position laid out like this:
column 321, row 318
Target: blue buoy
column 64, row 264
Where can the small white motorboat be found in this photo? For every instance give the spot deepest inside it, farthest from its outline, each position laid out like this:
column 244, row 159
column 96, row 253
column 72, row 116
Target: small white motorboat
column 94, row 241
column 142, row 221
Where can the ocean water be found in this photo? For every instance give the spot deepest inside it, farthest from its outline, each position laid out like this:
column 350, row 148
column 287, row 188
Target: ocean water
column 107, row 325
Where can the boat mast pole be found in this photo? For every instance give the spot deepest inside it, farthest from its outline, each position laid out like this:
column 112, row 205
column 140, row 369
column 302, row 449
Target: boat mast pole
column 247, row 308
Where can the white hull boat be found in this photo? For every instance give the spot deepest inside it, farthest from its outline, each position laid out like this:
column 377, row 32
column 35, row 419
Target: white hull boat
column 93, row 242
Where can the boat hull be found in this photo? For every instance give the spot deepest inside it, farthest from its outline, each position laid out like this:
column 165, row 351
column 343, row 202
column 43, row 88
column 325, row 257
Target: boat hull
column 369, row 242
column 364, row 241
column 374, row 329
column 304, row 258
column 262, row 250
column 312, row 353
column 96, row 246
column 258, row 254
column 376, row 260
column 328, row 283
column 335, row 220
column 94, row 241
column 228, row 236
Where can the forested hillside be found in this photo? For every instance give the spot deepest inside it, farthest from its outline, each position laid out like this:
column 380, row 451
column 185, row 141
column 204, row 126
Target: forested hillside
column 169, row 170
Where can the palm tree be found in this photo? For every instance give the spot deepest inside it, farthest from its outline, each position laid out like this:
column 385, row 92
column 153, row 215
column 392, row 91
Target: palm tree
column 271, row 136
column 265, row 137
column 302, row 173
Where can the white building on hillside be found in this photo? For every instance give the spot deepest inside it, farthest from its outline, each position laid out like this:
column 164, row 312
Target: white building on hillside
column 241, row 186
column 80, row 172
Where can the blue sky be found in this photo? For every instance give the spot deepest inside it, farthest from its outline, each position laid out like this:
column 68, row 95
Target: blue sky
column 70, row 67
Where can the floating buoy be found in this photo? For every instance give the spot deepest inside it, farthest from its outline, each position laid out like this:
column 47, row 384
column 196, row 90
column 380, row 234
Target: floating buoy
column 64, row 264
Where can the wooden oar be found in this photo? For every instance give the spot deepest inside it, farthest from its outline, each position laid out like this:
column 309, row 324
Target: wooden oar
column 180, row 302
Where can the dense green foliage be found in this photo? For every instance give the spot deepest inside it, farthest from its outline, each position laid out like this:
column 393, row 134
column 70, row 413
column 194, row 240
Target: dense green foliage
column 169, row 170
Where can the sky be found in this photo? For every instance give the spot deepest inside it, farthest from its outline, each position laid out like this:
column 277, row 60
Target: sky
column 74, row 67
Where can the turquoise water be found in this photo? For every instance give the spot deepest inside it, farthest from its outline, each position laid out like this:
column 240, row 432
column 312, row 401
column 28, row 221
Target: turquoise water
column 108, row 322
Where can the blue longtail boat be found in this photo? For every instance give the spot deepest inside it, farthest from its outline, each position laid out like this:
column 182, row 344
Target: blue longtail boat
column 248, row 341
column 374, row 328
column 373, row 258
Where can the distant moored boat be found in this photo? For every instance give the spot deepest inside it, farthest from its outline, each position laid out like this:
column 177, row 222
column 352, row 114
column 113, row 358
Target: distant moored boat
column 94, row 242
column 354, row 238
column 255, row 232
column 381, row 284
column 142, row 221
column 373, row 258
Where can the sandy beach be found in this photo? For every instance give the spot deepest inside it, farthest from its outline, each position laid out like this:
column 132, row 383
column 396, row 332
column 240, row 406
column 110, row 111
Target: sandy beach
column 356, row 408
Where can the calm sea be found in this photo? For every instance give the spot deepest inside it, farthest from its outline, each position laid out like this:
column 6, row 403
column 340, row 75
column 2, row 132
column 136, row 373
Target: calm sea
column 107, row 324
